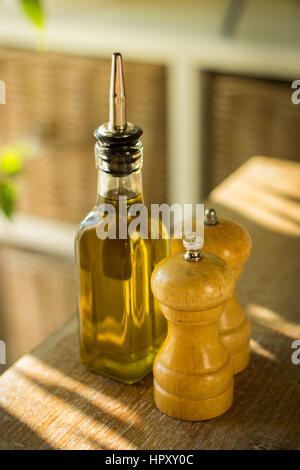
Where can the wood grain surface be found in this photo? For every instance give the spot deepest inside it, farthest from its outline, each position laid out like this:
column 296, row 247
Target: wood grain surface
column 49, row 401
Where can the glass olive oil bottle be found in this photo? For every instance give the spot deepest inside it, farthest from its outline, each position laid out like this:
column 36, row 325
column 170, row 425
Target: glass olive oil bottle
column 120, row 323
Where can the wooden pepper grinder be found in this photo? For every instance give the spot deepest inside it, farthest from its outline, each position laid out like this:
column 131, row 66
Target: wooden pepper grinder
column 232, row 243
column 193, row 372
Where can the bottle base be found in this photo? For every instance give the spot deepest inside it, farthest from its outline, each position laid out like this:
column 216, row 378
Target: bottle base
column 125, row 372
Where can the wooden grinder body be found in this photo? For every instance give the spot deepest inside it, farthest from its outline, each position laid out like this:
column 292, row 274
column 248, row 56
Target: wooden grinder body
column 193, row 372
column 231, row 242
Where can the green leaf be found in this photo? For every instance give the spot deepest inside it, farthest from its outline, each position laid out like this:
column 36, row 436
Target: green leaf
column 33, row 9
column 8, row 198
column 10, row 163
column 12, row 157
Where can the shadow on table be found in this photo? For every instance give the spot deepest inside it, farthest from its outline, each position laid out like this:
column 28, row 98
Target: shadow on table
column 76, row 401
column 19, row 436
column 266, row 398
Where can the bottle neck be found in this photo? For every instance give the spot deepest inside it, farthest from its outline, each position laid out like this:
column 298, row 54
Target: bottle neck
column 111, row 187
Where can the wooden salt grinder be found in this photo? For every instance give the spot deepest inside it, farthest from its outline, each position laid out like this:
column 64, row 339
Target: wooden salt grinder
column 193, row 372
column 233, row 244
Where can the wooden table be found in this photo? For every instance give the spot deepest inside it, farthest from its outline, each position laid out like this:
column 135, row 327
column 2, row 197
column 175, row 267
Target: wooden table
column 49, row 401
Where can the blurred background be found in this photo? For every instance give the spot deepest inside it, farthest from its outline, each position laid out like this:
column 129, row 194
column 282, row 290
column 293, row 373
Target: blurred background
column 209, row 82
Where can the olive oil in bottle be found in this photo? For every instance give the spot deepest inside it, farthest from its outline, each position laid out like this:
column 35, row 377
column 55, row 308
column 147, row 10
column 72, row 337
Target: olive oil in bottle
column 120, row 323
